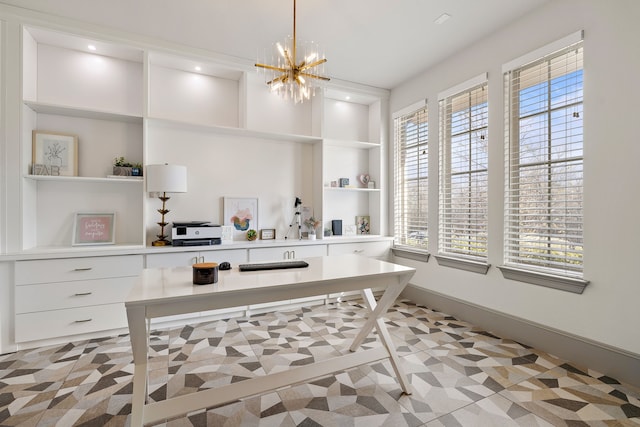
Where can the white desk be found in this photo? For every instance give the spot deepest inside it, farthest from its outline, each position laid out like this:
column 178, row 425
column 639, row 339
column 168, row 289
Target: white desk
column 169, row 291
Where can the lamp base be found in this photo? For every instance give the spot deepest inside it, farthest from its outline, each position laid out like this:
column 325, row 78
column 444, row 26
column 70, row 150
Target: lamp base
column 161, row 242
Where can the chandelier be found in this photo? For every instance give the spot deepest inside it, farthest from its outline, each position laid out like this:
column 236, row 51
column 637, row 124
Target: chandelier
column 292, row 78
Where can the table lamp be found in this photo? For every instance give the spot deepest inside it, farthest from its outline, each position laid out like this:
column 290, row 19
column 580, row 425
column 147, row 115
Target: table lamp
column 165, row 179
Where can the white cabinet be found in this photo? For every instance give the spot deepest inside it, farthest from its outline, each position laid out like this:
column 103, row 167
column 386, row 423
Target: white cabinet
column 72, row 296
column 178, row 259
column 287, row 252
column 377, row 249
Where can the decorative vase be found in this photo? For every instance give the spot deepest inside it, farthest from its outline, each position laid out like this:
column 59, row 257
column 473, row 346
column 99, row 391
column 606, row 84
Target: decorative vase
column 312, row 236
column 122, row 171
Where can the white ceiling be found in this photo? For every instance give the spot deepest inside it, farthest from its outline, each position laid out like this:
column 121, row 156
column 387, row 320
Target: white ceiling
column 379, row 43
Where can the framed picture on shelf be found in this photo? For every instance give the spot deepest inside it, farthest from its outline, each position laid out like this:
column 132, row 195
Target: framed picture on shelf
column 267, row 234
column 363, row 222
column 241, row 213
column 350, row 230
column 57, row 151
column 227, row 233
column 94, row 229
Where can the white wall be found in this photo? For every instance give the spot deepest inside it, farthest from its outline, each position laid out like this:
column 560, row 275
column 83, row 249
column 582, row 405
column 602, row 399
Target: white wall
column 218, row 166
column 607, row 311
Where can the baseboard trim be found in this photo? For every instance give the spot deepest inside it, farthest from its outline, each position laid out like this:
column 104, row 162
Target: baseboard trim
column 617, row 363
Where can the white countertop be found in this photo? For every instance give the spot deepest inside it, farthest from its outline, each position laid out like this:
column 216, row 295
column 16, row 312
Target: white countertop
column 107, row 250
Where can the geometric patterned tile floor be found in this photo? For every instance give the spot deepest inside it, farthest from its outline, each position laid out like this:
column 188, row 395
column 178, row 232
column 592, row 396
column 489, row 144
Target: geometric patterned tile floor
column 461, row 376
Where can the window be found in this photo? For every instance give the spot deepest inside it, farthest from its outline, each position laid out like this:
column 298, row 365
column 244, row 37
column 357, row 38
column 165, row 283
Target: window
column 544, row 161
column 463, row 171
column 411, row 176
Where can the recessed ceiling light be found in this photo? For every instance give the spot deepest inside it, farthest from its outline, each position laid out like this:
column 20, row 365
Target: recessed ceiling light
column 198, row 68
column 442, row 18
column 91, row 47
column 347, row 97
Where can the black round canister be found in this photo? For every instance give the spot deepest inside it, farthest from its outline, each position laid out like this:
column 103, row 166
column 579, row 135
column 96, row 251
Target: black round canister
column 205, row 273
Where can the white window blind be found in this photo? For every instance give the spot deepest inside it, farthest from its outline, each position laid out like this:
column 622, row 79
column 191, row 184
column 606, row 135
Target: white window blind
column 544, row 163
column 463, row 171
column 411, row 177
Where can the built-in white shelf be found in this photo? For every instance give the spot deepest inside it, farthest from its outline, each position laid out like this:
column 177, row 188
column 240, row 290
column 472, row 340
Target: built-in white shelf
column 233, row 131
column 94, row 179
column 63, row 110
column 342, row 143
column 356, row 189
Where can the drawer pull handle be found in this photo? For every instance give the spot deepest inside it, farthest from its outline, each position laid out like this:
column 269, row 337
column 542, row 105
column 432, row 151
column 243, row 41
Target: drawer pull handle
column 82, row 294
column 83, row 320
column 358, row 251
column 83, row 269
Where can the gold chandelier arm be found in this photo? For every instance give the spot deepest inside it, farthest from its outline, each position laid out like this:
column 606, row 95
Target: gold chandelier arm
column 271, row 67
column 313, row 64
column 288, row 58
column 283, row 78
column 315, row 76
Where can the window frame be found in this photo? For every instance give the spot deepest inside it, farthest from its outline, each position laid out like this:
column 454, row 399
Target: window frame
column 470, row 257
column 542, row 272
column 403, row 222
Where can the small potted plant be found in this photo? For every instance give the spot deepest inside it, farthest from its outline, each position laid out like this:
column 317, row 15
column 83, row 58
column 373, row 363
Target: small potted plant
column 252, row 234
column 311, row 223
column 121, row 167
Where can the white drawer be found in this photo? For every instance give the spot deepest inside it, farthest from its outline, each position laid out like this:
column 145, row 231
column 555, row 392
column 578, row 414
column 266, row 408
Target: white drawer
column 177, row 259
column 69, row 269
column 60, row 295
column 72, row 321
column 369, row 249
column 287, row 252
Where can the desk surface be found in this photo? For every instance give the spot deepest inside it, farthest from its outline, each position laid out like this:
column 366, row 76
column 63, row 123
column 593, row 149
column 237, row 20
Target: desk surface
column 166, row 284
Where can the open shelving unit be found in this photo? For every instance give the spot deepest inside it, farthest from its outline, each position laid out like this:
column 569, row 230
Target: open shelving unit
column 151, row 105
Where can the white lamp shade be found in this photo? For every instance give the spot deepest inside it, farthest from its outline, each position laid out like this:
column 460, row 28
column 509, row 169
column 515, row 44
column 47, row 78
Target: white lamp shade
column 166, row 178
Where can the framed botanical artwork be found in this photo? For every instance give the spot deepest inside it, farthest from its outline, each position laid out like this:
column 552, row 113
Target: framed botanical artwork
column 363, row 224
column 94, row 229
column 241, row 213
column 56, row 151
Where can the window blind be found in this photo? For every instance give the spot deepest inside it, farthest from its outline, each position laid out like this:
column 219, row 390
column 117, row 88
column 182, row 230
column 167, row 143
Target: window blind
column 544, row 163
column 464, row 171
column 411, row 173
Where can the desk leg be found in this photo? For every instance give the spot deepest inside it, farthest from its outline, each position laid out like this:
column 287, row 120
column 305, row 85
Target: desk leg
column 139, row 347
column 387, row 341
column 388, row 298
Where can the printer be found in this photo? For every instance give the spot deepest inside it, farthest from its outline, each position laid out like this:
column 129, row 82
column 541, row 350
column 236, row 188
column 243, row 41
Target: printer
column 195, row 233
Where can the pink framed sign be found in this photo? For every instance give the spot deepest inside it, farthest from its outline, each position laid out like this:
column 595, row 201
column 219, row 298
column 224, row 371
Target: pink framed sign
column 94, row 229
